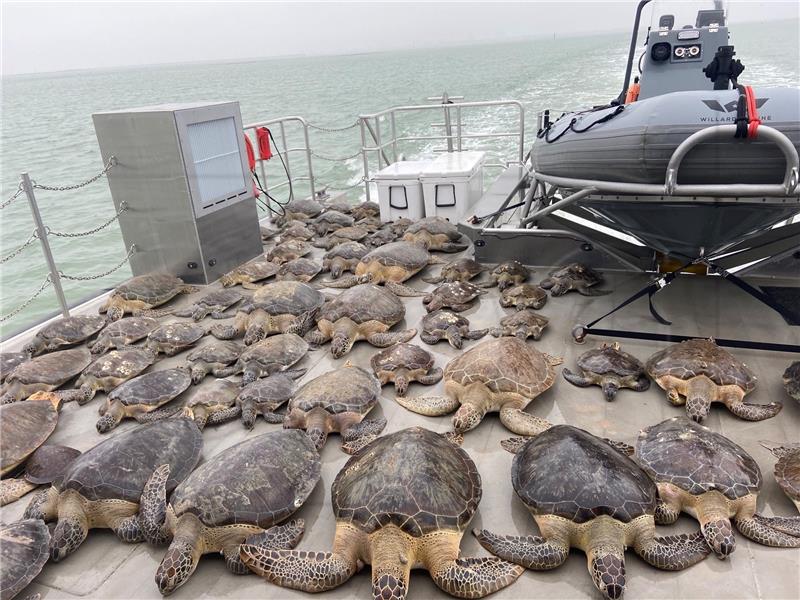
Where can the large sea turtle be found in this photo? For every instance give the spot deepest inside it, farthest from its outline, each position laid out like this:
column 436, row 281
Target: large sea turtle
column 508, row 274
column 23, row 553
column 172, row 338
column 435, row 233
column 455, row 295
column 708, row 476
column 502, row 374
column 272, row 355
column 44, row 466
column 337, row 401
column 365, row 210
column 342, row 235
column 299, row 269
column 460, row 269
column 213, row 403
column 584, row 494
column 44, row 373
column 250, row 273
column 243, row 493
column 265, row 396
column 523, row 323
column 66, row 331
column 141, row 396
column 403, row 502
column 791, row 380
column 102, row 488
column 344, row 257
column 212, row 358
column 288, row 250
column 143, row 293
column 331, row 220
column 214, row 303
column 123, row 333
column 522, row 296
column 110, row 371
column 296, row 230
column 9, row 362
column 365, row 312
column 697, row 372
column 445, row 324
column 301, row 209
column 380, row 237
column 403, row 363
column 611, row 369
column 576, row 277
column 787, row 469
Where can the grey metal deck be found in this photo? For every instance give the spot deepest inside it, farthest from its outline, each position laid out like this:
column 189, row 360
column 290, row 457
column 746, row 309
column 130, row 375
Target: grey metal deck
column 105, row 568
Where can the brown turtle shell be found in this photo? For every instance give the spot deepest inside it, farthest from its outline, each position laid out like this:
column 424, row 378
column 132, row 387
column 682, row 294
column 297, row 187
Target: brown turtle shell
column 270, row 392
column 153, row 289
column 787, row 472
column 610, row 360
column 696, row 357
column 347, row 250
column 9, row 361
column 53, row 368
column 221, row 351
column 454, row 292
column 439, row 320
column 283, row 350
column 48, row 463
column 125, row 363
column 152, row 389
column 24, row 426
column 414, row 479
column 362, row 303
column 70, row 330
column 791, row 380
column 299, row 268
column 220, row 392
column 260, row 481
column 23, row 552
column 180, row 333
column 435, row 226
column 125, row 331
column 407, row 255
column 346, row 389
column 401, row 356
column 286, row 298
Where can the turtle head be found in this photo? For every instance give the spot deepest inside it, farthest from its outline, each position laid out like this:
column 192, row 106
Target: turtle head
column 111, row 417
column 337, row 268
column 719, row 535
column 250, row 374
column 401, row 381
column 610, row 389
column 198, row 373
column 34, row 347
column 71, row 529
column 249, row 414
column 116, row 310
column 343, row 339
column 317, row 427
column 182, row 556
column 608, row 573
column 467, row 417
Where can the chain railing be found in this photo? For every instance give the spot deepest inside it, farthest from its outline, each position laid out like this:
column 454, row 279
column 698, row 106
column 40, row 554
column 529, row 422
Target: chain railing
column 13, row 197
column 47, row 282
column 122, row 208
column 117, row 267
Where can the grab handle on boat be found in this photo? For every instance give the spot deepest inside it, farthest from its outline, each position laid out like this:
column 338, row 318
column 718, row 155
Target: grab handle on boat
column 790, row 178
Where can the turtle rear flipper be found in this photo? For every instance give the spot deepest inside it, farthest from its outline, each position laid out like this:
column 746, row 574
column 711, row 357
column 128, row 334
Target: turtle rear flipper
column 430, row 406
column 575, row 379
column 459, row 577
column 674, row 552
column 153, row 507
column 779, row 532
column 359, row 435
column 754, row 412
column 518, row 421
column 12, row 489
column 307, row 571
column 389, row 338
column 530, row 551
column 402, row 290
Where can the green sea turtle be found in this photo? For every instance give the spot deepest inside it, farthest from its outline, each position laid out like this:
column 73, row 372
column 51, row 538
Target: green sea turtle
column 787, row 469
column 584, row 494
column 403, row 502
column 301, row 209
column 288, row 250
column 365, row 312
column 354, row 233
column 44, row 373
column 403, row 363
column 399, row 226
column 9, row 361
column 331, row 220
column 44, row 466
column 110, row 371
column 214, row 303
column 460, row 269
column 212, row 358
column 172, row 338
column 791, row 380
column 445, row 324
column 576, row 277
column 296, row 230
column 435, row 233
column 67, row 331
column 237, row 496
column 365, row 210
column 371, row 224
column 454, row 295
column 502, row 374
column 277, row 307
column 508, row 274
column 611, row 369
column 23, row 553
column 708, row 476
column 123, row 333
column 103, row 487
column 141, row 396
column 523, row 323
column 143, row 293
column 337, row 400
column 272, row 355
column 213, row 403
column 250, row 273
column 338, row 204
column 697, row 372
column 265, row 396
column 380, row 237
column 299, row 269
column 524, row 295
column 344, row 257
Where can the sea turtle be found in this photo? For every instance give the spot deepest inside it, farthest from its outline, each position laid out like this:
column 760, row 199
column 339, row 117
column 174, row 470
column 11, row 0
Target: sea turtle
column 787, row 469
column 23, row 553
column 338, row 204
column 238, row 495
column 214, row 303
column 250, row 273
column 524, row 295
column 66, row 331
column 9, row 361
column 708, row 476
column 398, row 226
column 791, row 380
column 337, row 400
column 331, row 220
column 697, row 372
column 277, row 307
column 582, row 493
column 265, row 396
column 296, row 230
column 435, row 233
column 143, row 293
column 288, row 250
column 354, row 233
column 508, row 274
column 104, row 486
column 371, row 224
column 460, row 269
column 110, row 371
column 299, row 269
column 44, row 373
column 172, row 338
column 380, row 237
column 123, row 333
column 267, row 233
column 274, row 354
column 366, row 209
column 365, row 312
column 212, row 358
column 390, row 264
column 403, row 363
column 445, row 324
column 403, row 502
column 344, row 257
column 523, row 323
column 576, row 277
column 502, row 374
column 301, row 209
column 213, row 403
column 44, row 466
column 611, row 369
column 455, row 295
column 141, row 396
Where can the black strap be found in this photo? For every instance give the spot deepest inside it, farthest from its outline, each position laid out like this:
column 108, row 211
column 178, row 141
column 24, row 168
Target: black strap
column 671, row 337
column 545, row 132
column 742, row 118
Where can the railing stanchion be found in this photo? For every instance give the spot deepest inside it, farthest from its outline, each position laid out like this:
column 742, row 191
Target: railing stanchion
column 42, row 235
column 308, row 158
column 362, row 123
column 394, row 136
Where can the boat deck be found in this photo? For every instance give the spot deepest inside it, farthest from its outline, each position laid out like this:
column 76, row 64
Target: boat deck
column 105, row 568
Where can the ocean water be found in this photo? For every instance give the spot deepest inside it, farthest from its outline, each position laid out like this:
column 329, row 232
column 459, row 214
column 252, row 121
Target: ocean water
column 47, row 128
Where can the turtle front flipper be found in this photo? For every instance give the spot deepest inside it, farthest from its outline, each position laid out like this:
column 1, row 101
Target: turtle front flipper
column 43, row 505
column 360, row 434
column 518, row 421
column 430, row 406
column 402, row 290
column 671, row 553
column 285, row 536
column 605, row 557
column 343, row 282
column 666, row 513
column 529, row 551
column 182, row 556
column 303, row 323
column 12, row 489
column 452, row 247
column 71, row 529
column 474, row 577
column 788, row 525
column 157, row 415
column 771, row 531
column 753, row 412
column 152, row 516
column 307, row 571
column 223, row 416
column 575, row 379
column 433, row 376
column 390, row 338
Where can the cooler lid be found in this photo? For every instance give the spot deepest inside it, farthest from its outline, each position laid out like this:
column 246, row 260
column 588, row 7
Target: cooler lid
column 402, row 170
column 455, row 164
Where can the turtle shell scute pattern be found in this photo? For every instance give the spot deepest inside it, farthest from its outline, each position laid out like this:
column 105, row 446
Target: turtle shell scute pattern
column 609, row 360
column 347, row 250
column 177, row 333
column 363, row 303
column 220, row 298
column 402, row 356
column 696, row 459
column 347, row 389
column 287, row 298
column 787, row 473
column 218, row 393
column 443, row 319
column 260, row 481
column 24, row 426
column 696, row 357
column 153, row 289
column 570, row 473
column 414, row 479
column 72, row 329
column 216, row 352
column 152, row 389
column 405, row 255
column 435, row 226
column 285, row 349
column 53, row 368
column 119, row 467
column 119, row 363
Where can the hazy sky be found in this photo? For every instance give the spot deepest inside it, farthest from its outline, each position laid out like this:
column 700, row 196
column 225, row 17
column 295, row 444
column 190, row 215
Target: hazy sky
column 56, row 36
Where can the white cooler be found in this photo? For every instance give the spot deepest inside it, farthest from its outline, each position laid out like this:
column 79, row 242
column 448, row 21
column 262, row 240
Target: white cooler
column 399, row 190
column 452, row 184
